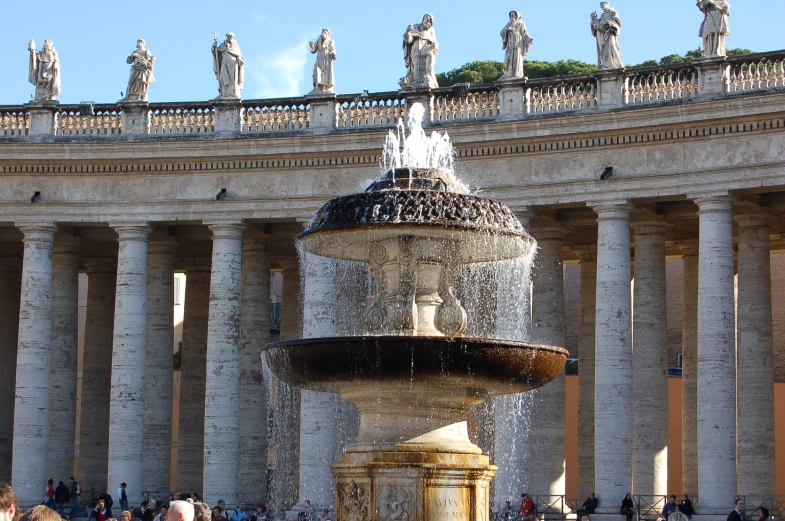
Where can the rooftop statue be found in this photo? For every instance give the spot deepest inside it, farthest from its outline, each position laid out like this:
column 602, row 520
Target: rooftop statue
column 606, row 29
column 142, row 62
column 419, row 55
column 323, row 75
column 228, row 65
column 715, row 26
column 516, row 43
column 44, row 71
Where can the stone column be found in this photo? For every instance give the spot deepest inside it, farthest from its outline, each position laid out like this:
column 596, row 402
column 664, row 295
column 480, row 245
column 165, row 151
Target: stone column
column 10, row 291
column 157, row 453
column 755, row 378
column 96, row 373
column 254, row 333
column 126, row 404
column 716, row 356
column 31, row 407
column 65, row 350
column 193, row 372
column 650, row 362
column 613, row 353
column 689, row 370
column 588, row 310
column 222, row 397
column 547, row 437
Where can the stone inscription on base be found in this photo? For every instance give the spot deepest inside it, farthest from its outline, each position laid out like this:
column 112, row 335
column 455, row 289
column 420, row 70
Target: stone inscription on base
column 448, row 503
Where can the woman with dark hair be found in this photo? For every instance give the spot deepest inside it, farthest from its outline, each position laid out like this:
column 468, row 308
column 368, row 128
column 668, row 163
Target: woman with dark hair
column 627, row 507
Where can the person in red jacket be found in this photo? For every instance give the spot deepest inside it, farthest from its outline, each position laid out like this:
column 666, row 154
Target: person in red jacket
column 527, row 507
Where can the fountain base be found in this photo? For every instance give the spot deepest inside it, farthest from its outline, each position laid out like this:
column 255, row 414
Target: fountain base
column 404, row 485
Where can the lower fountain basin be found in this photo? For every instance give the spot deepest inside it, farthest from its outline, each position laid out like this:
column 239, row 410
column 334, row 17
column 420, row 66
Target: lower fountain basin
column 489, row 366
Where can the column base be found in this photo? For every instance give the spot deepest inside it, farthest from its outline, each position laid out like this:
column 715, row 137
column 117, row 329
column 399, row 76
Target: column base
column 377, row 486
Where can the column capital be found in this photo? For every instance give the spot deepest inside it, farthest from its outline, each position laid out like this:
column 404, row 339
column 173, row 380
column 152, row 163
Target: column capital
column 38, row 231
column 226, row 229
column 586, row 253
column 609, row 210
column 721, row 201
column 97, row 265
column 132, row 231
column 65, row 243
column 689, row 248
column 753, row 219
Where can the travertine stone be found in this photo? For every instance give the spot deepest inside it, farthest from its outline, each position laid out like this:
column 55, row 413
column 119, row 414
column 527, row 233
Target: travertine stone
column 62, row 375
column 649, row 361
column 755, row 378
column 42, row 117
column 516, row 43
column 606, row 29
column 142, row 62
column 586, row 364
column 612, row 89
column 10, row 290
column 323, row 74
column 156, row 460
column 136, row 117
column 613, row 354
column 31, row 408
column 547, row 436
column 254, row 333
column 689, row 370
column 716, row 356
column 222, row 397
column 126, row 404
column 96, row 373
column 323, row 112
column 715, row 26
column 44, row 71
column 419, row 54
column 193, row 372
column 713, row 76
column 227, row 115
column 228, row 66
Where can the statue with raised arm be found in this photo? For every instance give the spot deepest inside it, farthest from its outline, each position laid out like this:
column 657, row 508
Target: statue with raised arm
column 228, row 65
column 606, row 29
column 715, row 26
column 419, row 55
column 516, row 43
column 44, row 71
column 142, row 62
column 323, row 75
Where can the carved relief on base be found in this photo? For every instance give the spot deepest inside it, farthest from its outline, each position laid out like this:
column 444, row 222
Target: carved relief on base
column 354, row 502
column 395, row 503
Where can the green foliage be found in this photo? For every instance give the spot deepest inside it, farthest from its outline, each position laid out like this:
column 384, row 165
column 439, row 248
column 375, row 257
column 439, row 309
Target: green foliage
column 177, row 359
column 571, row 367
column 488, row 71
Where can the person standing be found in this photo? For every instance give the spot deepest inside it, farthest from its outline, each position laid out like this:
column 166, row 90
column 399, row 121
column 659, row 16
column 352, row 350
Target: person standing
column 62, row 496
column 122, row 495
column 527, row 507
column 75, row 492
column 715, row 26
column 737, row 514
column 627, row 507
column 49, row 494
column 685, row 507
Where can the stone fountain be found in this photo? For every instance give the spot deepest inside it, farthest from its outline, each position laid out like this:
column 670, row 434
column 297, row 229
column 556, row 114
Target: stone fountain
column 414, row 373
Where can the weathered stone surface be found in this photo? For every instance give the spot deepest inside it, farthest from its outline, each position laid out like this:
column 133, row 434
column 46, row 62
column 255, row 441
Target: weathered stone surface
column 10, row 288
column 586, row 369
column 689, row 379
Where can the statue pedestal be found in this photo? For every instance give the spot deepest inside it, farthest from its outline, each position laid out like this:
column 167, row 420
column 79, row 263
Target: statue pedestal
column 323, row 111
column 712, row 75
column 227, row 115
column 513, row 98
column 420, row 95
column 612, row 88
column 43, row 117
column 136, row 117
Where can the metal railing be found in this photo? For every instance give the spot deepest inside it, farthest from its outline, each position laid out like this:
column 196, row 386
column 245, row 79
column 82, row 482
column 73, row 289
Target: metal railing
column 774, row 504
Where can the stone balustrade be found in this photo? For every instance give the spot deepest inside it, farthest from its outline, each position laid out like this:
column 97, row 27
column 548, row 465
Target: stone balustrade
column 569, row 94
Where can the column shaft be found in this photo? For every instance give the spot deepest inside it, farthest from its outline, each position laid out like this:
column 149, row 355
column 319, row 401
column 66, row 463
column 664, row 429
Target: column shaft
column 157, row 457
column 689, row 371
column 129, row 344
column 96, row 374
column 222, row 396
column 193, row 373
column 547, row 431
column 588, row 310
column 254, row 333
column 10, row 292
column 755, row 348
column 649, row 362
column 65, row 351
column 31, row 408
column 613, row 353
column 716, row 356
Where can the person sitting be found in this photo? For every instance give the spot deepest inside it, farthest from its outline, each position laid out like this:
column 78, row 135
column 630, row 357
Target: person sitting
column 685, row 507
column 590, row 505
column 669, row 508
column 99, row 512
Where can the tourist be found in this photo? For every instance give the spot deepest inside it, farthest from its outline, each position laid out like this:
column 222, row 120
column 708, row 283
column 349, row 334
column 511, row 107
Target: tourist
column 685, row 507
column 217, row 514
column 240, row 513
column 222, row 508
column 585, row 517
column 737, row 514
column 9, row 503
column 201, row 512
column 162, row 515
column 307, row 514
column 590, row 505
column 507, row 513
column 62, row 496
column 49, row 495
column 762, row 513
column 261, row 512
column 136, row 513
column 323, row 515
column 670, row 507
column 527, row 507
column 181, row 511
column 148, row 510
column 627, row 507
column 122, row 495
column 75, row 492
column 125, row 515
column 99, row 513
column 40, row 513
column 108, row 502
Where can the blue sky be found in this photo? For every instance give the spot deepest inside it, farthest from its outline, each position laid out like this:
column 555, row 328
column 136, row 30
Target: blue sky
column 93, row 39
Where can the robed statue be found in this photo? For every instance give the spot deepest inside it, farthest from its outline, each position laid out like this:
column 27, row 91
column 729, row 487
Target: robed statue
column 228, row 65
column 419, row 55
column 142, row 62
column 715, row 26
column 516, row 43
column 323, row 75
column 606, row 29
column 44, row 71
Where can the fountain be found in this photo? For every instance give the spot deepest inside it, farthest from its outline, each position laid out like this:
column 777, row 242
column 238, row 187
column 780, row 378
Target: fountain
column 414, row 373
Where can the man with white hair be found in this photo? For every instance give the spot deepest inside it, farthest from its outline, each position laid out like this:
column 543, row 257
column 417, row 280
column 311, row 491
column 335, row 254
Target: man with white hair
column 180, row 511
